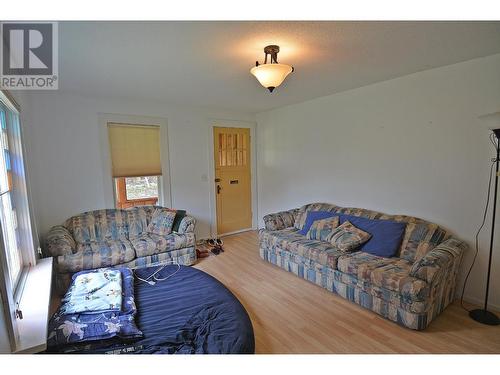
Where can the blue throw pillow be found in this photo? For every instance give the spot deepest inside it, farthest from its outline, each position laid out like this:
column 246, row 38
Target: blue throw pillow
column 70, row 329
column 386, row 234
column 312, row 216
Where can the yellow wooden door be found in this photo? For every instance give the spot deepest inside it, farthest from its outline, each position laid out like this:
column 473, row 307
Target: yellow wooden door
column 232, row 179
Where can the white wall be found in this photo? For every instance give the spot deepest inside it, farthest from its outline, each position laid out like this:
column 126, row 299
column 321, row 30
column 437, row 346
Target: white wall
column 63, row 141
column 412, row 145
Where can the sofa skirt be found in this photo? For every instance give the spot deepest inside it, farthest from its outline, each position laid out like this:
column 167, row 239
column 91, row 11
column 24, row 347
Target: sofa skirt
column 410, row 314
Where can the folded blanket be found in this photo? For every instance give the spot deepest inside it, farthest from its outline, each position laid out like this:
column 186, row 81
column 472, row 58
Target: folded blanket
column 77, row 331
column 94, row 292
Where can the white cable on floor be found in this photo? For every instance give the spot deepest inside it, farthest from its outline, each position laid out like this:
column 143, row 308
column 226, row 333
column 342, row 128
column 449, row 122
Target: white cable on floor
column 148, row 280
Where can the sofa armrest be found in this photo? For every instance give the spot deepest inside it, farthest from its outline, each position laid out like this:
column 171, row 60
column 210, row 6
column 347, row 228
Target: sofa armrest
column 280, row 220
column 59, row 241
column 435, row 263
column 187, row 224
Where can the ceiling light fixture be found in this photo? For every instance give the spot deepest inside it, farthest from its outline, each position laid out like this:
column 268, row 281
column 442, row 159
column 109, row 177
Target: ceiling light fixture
column 271, row 75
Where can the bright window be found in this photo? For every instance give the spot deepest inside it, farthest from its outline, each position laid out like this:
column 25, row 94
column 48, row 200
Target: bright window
column 136, row 191
column 141, row 187
column 8, row 217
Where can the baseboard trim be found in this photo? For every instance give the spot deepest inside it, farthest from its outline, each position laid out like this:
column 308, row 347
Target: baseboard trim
column 236, row 232
column 480, row 302
column 200, row 240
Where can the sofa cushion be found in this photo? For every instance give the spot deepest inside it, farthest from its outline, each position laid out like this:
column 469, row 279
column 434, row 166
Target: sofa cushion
column 346, row 237
column 321, row 229
column 138, row 219
column 385, row 273
column 149, row 244
column 93, row 254
column 162, row 221
column 386, row 235
column 361, row 265
column 396, row 277
column 416, row 302
column 420, row 238
column 289, row 239
column 313, row 216
column 99, row 225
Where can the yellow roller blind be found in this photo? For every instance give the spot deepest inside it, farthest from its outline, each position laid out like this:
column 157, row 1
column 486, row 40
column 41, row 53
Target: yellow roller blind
column 135, row 150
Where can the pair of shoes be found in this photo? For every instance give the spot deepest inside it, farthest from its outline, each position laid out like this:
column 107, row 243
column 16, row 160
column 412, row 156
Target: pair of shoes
column 216, row 250
column 217, row 246
column 215, row 242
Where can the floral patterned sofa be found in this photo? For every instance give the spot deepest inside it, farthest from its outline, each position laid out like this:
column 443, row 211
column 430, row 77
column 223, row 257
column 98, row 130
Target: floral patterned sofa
column 410, row 289
column 111, row 237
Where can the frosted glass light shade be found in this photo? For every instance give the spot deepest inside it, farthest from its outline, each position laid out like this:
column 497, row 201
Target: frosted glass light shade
column 271, row 75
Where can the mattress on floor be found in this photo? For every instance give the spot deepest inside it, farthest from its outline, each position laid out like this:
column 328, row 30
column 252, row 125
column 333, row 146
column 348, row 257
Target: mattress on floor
column 189, row 313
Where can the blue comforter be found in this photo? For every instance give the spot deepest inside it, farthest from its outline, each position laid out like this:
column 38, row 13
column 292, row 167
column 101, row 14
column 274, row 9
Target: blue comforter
column 190, row 312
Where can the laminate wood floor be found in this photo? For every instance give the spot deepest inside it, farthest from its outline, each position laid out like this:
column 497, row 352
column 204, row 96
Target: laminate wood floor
column 292, row 315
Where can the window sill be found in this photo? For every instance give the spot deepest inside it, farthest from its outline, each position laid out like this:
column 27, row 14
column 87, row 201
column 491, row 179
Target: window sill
column 35, row 302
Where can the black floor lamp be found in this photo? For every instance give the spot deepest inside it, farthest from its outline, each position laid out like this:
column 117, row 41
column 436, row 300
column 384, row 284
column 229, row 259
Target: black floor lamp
column 483, row 315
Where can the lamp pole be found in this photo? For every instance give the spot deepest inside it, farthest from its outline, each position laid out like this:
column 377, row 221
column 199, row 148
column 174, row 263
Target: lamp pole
column 483, row 315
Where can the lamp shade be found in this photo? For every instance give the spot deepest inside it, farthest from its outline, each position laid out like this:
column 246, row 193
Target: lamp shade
column 271, row 75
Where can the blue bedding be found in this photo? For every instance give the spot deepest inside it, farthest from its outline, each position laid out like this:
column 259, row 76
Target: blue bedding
column 190, row 312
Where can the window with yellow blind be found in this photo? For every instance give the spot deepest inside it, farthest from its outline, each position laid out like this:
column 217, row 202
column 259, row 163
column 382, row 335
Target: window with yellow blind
column 136, row 163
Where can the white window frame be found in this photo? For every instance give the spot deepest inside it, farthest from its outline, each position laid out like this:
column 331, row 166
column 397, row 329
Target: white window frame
column 165, row 195
column 28, row 240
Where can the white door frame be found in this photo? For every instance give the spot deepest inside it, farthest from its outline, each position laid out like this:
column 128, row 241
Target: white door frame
column 211, row 170
column 108, row 186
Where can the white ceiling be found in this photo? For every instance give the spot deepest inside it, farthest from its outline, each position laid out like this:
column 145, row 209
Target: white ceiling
column 206, row 64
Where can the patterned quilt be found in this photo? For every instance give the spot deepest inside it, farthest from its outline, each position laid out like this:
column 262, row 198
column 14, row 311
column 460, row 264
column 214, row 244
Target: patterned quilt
column 94, row 292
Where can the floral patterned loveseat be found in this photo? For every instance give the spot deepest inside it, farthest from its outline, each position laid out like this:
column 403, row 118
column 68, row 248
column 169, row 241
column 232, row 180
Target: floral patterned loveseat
column 112, row 237
column 410, row 289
